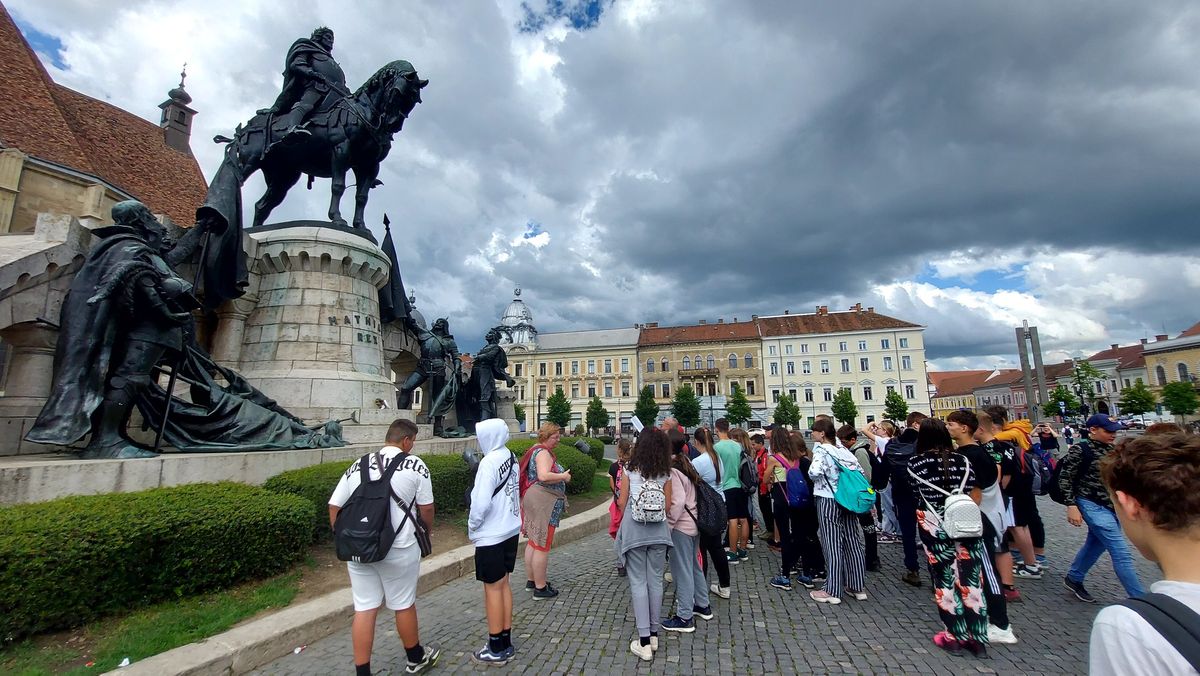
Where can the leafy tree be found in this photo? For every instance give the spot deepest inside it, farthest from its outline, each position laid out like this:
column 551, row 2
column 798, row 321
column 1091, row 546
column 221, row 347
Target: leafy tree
column 597, row 415
column 646, row 409
column 737, row 408
column 1065, row 395
column 1137, row 399
column 786, row 412
column 844, row 410
column 519, row 410
column 894, row 406
column 1084, row 377
column 558, row 409
column 1181, row 398
column 685, row 407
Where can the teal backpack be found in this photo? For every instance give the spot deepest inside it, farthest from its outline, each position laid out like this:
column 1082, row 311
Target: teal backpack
column 853, row 492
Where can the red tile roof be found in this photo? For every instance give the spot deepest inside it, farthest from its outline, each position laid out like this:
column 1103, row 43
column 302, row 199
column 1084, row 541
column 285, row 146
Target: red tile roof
column 829, row 322
column 1127, row 357
column 698, row 333
column 949, row 383
column 1194, row 331
column 59, row 125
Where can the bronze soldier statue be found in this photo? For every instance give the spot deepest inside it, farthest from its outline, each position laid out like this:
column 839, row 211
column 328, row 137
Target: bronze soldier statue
column 309, row 75
column 440, row 365
column 490, row 364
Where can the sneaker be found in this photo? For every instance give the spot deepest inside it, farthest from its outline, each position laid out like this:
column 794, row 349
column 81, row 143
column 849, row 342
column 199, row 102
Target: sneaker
column 750, row 545
column 772, row 543
column 654, row 643
column 677, row 623
column 1078, row 590
column 1042, row 562
column 821, row 597
column 1028, row 572
column 644, row 652
column 732, row 557
column 717, row 589
column 704, row 613
column 486, row 656
column 431, row 657
column 911, row 577
column 975, row 648
column 667, row 577
column 819, row 578
column 529, row 585
column 1013, row 596
column 806, row 581
column 888, row 539
column 998, row 635
column 781, row 582
column 621, row 572
column 547, row 592
column 510, row 652
column 860, row 595
column 743, row 554
column 946, row 642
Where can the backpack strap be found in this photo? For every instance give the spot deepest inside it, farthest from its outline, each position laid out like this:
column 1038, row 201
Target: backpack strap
column 1177, row 623
column 932, row 485
column 504, row 481
column 966, row 475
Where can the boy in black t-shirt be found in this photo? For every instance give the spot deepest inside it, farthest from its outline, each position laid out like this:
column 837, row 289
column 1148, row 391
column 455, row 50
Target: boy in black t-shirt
column 1003, row 454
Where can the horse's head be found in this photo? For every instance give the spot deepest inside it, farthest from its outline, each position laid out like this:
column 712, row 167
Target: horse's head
column 394, row 91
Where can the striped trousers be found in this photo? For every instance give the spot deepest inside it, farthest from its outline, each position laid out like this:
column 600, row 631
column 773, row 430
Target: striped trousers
column 845, row 552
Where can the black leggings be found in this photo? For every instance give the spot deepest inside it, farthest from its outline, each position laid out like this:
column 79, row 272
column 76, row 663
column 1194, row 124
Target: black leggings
column 713, row 548
column 764, row 503
column 798, row 539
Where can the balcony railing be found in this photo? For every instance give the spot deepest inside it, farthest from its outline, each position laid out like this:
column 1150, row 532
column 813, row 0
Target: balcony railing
column 699, row 372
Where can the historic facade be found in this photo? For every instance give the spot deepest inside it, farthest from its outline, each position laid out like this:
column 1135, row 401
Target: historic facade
column 1171, row 360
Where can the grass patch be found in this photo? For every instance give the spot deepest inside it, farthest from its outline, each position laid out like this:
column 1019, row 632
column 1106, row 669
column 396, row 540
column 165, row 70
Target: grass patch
column 147, row 632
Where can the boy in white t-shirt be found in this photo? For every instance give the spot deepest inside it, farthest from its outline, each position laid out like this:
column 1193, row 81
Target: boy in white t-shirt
column 1152, row 480
column 394, row 579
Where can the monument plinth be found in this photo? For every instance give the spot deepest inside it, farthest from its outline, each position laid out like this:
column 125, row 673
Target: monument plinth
column 313, row 340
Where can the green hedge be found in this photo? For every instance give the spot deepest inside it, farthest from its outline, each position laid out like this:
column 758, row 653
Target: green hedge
column 68, row 561
column 448, row 473
column 582, row 467
column 596, row 446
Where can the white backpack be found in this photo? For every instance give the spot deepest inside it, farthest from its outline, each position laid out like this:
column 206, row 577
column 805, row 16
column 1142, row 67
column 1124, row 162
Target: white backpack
column 650, row 506
column 961, row 518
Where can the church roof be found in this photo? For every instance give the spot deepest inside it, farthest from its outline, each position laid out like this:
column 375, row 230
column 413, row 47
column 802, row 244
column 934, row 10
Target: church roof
column 59, row 125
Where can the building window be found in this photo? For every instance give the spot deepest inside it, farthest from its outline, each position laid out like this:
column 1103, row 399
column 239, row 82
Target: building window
column 732, row 383
column 862, row 346
column 903, row 342
column 806, row 366
column 1113, row 384
column 748, row 361
column 845, row 366
column 574, row 391
column 698, row 362
column 822, row 347
column 906, row 363
column 804, row 348
column 712, row 389
column 1161, row 374
column 791, row 368
column 828, row 393
column 750, row 388
column 775, row 396
column 518, row 369
column 591, row 366
column 792, row 395
column 666, row 390
column 867, row 394
column 625, row 389
column 624, row 364
column 541, row 391
column 687, row 363
column 558, row 368
column 908, row 392
column 891, row 388
column 864, row 364
column 842, row 346
column 787, row 349
column 1183, row 372
column 774, row 368
column 666, row 365
column 885, row 344
column 541, row 368
column 732, row 360
column 649, row 366
column 575, row 368
column 887, row 363
column 607, row 390
column 771, row 350
column 712, row 363
column 808, row 394
column 1126, row 383
column 608, row 366
column 591, row 390
column 824, row 366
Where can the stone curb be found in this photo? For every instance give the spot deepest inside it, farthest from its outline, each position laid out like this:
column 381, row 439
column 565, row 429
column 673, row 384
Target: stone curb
column 256, row 643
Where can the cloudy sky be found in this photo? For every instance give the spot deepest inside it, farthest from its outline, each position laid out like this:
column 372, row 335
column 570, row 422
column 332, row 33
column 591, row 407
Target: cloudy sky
column 960, row 165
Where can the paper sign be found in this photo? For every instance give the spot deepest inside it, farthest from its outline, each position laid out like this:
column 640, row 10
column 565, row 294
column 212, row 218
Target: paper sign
column 637, row 425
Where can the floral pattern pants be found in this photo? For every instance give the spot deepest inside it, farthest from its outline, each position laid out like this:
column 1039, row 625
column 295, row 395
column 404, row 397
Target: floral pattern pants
column 956, row 566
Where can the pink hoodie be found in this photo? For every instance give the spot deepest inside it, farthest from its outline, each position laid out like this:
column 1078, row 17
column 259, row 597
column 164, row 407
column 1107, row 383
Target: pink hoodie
column 683, row 494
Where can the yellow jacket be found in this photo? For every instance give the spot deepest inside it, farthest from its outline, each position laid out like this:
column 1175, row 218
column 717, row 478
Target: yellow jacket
column 1017, row 432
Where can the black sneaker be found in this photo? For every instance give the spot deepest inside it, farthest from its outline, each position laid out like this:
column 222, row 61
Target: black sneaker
column 677, row 623
column 529, row 586
column 546, row 592
column 431, row 657
column 911, row 577
column 704, row 613
column 1078, row 590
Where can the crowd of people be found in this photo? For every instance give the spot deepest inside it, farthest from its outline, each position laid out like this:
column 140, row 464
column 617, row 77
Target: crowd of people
column 963, row 489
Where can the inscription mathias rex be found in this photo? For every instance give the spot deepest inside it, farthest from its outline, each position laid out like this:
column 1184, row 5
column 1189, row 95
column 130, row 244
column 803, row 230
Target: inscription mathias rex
column 366, row 327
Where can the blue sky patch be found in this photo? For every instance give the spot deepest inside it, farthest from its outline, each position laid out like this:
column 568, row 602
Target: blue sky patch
column 582, row 14
column 47, row 46
column 983, row 281
column 532, row 229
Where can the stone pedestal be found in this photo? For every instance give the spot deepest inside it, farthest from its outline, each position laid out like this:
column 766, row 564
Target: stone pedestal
column 313, row 340
column 28, row 383
column 506, row 408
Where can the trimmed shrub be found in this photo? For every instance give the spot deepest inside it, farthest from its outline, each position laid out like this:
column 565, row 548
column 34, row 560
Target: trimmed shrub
column 605, row 439
column 595, row 446
column 315, row 484
column 449, row 476
column 68, row 561
column 582, row 466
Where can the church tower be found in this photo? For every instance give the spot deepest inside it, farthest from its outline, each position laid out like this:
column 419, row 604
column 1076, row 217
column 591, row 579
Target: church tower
column 177, row 117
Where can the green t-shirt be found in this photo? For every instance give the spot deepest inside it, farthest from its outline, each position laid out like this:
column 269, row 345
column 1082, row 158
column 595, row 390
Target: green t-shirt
column 730, row 453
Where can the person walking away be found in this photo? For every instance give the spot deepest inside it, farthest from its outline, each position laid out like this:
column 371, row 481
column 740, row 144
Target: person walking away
column 1068, row 435
column 841, row 536
column 394, row 579
column 956, row 565
column 615, row 470
column 494, row 525
column 1005, row 456
column 708, row 466
column 691, row 589
column 644, row 537
column 1088, row 502
column 737, row 505
column 758, row 448
column 543, row 499
column 1153, row 482
column 865, row 454
column 962, row 426
column 791, row 489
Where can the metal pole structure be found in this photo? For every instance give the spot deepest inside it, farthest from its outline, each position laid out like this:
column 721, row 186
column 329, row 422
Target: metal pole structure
column 1026, row 374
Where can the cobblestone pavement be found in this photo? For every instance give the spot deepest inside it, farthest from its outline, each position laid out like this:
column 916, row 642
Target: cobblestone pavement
column 587, row 629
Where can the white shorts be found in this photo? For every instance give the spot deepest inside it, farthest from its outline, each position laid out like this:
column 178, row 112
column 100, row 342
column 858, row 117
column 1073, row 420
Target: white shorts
column 394, row 579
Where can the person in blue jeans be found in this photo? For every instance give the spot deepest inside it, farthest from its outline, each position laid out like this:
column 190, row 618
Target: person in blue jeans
column 1088, row 502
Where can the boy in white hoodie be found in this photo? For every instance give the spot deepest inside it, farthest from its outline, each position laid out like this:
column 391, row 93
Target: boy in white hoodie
column 494, row 526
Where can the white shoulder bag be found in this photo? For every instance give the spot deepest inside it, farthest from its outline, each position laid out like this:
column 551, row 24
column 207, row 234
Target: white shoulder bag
column 961, row 518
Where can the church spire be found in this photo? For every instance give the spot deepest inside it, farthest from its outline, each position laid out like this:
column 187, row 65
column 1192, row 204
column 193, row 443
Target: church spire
column 177, row 116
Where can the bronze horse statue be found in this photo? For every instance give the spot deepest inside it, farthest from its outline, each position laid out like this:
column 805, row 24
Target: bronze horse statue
column 347, row 132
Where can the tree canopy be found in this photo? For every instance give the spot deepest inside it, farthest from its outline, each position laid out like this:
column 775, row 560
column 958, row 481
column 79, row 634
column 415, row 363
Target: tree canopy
column 844, row 410
column 737, row 408
column 1137, row 399
column 894, row 406
column 558, row 409
column 685, row 407
column 596, row 416
column 646, row 409
column 786, row 412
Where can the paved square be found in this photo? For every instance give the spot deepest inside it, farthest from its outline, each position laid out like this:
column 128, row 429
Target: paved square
column 587, row 629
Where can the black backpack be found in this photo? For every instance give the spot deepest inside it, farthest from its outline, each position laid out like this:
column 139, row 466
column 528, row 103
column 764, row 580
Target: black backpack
column 1174, row 621
column 748, row 474
column 473, row 456
column 363, row 531
column 1086, row 462
column 710, row 517
column 898, row 454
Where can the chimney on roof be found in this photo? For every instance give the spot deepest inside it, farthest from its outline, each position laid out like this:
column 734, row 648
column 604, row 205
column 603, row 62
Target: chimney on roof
column 787, row 312
column 753, row 318
column 857, row 307
column 1144, row 341
column 650, row 325
column 703, row 322
column 1161, row 336
column 1115, row 346
column 721, row 320
column 870, row 309
column 177, row 117
column 822, row 309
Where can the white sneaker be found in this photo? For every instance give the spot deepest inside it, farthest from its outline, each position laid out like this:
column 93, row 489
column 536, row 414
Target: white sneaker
column 653, row 643
column 667, row 577
column 998, row 635
column 723, row 592
column 858, row 595
column 645, row 652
